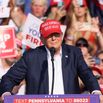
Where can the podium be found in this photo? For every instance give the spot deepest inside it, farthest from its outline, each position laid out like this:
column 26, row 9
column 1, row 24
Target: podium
column 69, row 98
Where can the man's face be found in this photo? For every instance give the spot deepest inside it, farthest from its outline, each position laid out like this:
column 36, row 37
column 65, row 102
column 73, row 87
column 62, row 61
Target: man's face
column 53, row 40
column 38, row 9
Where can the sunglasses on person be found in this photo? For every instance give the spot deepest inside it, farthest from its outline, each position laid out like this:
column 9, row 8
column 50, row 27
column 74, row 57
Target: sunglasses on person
column 82, row 5
column 81, row 45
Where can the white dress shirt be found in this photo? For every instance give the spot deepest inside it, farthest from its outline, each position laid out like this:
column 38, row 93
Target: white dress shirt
column 58, row 77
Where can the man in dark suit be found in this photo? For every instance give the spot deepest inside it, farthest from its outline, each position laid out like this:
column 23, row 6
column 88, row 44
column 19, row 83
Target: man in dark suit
column 36, row 67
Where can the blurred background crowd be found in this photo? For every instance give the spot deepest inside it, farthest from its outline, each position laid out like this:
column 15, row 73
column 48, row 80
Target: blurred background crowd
column 84, row 28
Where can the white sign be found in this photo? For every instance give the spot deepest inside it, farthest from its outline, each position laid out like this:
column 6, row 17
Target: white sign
column 4, row 12
column 4, row 3
column 31, row 32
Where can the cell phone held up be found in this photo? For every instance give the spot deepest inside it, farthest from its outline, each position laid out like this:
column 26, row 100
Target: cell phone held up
column 96, row 60
column 60, row 4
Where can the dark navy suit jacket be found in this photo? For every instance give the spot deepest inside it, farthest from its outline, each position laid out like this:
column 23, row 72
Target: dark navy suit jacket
column 33, row 67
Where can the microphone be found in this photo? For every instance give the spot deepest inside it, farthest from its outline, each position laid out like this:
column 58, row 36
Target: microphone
column 52, row 52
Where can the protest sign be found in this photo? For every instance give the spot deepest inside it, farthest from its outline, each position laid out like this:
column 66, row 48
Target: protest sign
column 7, row 42
column 31, row 34
column 4, row 3
column 4, row 12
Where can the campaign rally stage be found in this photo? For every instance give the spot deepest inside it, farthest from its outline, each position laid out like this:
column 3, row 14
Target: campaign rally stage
column 72, row 98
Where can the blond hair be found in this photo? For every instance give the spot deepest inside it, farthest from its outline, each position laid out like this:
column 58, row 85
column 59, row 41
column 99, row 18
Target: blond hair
column 44, row 2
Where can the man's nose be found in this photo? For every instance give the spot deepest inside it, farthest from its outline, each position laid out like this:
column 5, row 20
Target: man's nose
column 53, row 37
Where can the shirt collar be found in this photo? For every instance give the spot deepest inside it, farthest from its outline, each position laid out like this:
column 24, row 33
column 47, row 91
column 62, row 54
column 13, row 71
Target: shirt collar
column 48, row 52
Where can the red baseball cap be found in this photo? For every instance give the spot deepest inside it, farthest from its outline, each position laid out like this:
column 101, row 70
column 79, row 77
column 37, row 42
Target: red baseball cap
column 49, row 27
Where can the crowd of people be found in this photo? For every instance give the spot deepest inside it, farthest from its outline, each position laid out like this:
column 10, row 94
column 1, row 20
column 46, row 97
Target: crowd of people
column 82, row 31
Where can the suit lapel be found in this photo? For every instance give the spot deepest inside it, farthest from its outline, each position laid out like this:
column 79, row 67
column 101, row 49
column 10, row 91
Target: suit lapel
column 65, row 65
column 43, row 83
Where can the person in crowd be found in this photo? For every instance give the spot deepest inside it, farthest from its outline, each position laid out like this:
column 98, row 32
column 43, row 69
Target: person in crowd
column 83, row 44
column 91, row 61
column 7, row 63
column 80, row 24
column 99, row 55
column 18, row 17
column 99, row 76
column 36, row 65
column 57, row 11
column 5, row 21
column 39, row 8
